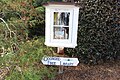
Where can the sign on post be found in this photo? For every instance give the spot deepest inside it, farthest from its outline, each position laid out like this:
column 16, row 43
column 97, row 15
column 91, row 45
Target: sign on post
column 61, row 61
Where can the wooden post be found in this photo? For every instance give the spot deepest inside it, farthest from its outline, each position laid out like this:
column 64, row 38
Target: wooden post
column 60, row 51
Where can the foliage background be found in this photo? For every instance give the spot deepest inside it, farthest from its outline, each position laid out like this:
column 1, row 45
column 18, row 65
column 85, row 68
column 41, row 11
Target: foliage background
column 99, row 31
column 22, row 46
column 21, row 49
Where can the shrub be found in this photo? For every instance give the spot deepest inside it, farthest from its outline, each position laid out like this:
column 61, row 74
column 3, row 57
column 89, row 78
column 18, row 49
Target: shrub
column 26, row 65
column 17, row 52
column 99, row 31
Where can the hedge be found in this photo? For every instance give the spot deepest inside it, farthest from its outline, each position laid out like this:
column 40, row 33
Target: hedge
column 99, row 31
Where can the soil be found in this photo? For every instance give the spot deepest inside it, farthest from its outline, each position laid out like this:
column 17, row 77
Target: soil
column 105, row 71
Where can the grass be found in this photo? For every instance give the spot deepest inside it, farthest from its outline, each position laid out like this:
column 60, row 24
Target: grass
column 26, row 64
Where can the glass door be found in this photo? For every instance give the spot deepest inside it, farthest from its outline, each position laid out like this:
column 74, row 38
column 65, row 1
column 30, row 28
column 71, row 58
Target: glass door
column 61, row 25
